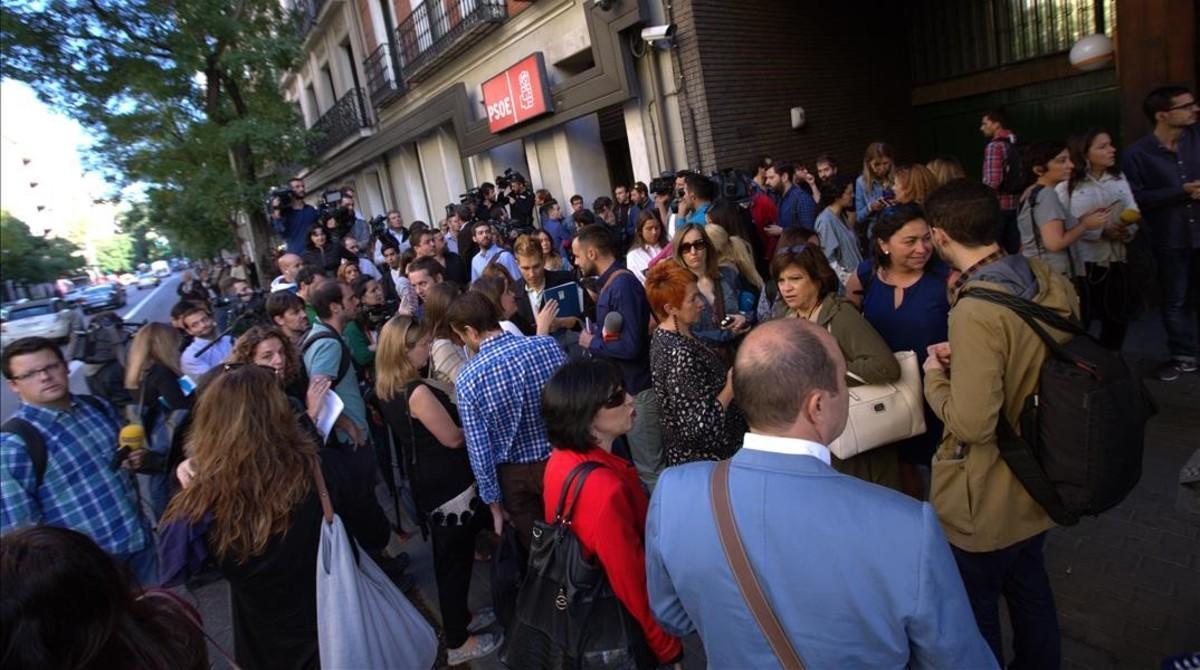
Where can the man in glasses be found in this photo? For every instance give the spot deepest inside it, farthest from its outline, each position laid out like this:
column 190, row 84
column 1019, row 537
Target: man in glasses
column 208, row 347
column 1163, row 170
column 73, row 483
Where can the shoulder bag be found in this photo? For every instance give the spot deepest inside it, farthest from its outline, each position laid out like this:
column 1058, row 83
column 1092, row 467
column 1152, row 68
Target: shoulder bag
column 881, row 414
column 567, row 615
column 363, row 620
column 743, row 572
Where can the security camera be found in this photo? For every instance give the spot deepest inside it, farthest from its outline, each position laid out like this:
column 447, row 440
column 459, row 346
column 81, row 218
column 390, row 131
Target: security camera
column 663, row 33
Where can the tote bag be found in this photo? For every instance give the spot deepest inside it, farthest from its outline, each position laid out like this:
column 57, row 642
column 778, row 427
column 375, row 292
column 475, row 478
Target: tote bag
column 363, row 620
column 883, row 413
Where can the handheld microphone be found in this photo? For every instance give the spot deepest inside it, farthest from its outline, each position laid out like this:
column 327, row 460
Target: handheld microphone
column 1130, row 216
column 613, row 323
column 132, row 438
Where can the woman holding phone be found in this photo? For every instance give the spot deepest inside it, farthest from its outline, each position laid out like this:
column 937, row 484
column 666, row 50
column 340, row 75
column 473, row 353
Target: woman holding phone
column 1107, row 294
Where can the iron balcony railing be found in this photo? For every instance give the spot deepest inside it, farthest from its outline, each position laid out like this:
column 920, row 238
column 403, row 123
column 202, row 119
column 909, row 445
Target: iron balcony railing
column 382, row 83
column 345, row 119
column 436, row 31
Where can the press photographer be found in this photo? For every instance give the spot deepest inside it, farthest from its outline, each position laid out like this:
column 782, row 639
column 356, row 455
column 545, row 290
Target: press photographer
column 518, row 198
column 240, row 308
column 291, row 217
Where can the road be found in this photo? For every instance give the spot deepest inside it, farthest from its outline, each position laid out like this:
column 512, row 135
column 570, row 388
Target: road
column 148, row 304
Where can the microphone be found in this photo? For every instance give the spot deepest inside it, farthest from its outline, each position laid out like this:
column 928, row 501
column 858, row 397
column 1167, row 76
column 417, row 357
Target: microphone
column 613, row 323
column 132, row 438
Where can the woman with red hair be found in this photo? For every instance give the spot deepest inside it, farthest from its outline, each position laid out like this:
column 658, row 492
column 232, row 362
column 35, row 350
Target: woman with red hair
column 694, row 388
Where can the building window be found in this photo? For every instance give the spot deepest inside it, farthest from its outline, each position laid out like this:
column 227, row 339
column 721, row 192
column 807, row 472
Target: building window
column 950, row 38
column 310, row 98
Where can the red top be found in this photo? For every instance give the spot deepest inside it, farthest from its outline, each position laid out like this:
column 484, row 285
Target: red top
column 610, row 522
column 764, row 212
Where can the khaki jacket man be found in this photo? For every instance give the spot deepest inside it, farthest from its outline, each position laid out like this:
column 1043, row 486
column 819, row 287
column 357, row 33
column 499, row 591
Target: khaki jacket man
column 997, row 359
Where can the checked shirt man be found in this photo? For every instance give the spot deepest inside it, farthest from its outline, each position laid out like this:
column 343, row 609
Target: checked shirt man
column 500, row 401
column 79, row 488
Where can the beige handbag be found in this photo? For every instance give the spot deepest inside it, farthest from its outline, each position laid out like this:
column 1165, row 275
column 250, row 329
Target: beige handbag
column 883, row 413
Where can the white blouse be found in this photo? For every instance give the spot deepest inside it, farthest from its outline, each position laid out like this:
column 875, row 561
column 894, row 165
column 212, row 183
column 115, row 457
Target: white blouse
column 1092, row 194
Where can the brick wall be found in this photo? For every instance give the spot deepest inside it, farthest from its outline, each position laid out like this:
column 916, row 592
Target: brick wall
column 746, row 64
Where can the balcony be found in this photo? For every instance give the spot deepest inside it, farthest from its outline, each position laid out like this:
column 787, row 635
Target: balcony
column 344, row 120
column 435, row 33
column 382, row 84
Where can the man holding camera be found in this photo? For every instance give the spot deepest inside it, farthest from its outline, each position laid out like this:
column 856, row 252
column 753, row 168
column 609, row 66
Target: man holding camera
column 394, row 235
column 78, row 483
column 293, row 219
column 520, row 202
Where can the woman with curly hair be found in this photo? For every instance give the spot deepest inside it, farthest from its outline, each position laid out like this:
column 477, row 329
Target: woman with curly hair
column 252, row 500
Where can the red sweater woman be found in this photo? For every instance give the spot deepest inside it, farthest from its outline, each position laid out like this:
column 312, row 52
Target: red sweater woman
column 586, row 408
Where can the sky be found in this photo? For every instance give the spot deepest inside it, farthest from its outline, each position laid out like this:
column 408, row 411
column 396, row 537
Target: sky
column 54, row 145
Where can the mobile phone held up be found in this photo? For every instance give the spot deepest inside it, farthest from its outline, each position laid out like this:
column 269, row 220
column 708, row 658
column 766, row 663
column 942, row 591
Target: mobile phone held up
column 727, row 322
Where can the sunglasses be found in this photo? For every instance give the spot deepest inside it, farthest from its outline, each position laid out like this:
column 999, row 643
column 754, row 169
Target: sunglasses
column 227, row 367
column 688, row 247
column 616, row 399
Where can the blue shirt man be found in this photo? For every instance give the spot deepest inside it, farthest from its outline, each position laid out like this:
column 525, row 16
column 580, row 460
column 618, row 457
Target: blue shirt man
column 293, row 223
column 812, row 536
column 207, row 348
column 796, row 204
column 490, row 253
column 78, row 488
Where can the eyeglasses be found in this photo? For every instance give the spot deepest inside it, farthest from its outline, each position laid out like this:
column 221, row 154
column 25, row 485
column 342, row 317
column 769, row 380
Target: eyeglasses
column 688, row 247
column 47, row 370
column 616, row 399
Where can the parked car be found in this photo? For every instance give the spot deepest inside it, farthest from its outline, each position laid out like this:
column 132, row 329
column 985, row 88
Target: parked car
column 127, row 279
column 147, row 279
column 104, row 296
column 51, row 318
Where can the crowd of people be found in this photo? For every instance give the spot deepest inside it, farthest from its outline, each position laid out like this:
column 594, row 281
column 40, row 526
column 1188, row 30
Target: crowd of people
column 474, row 364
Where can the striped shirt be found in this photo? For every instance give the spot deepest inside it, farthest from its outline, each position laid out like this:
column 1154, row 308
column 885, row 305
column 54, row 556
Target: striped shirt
column 80, row 489
column 500, row 401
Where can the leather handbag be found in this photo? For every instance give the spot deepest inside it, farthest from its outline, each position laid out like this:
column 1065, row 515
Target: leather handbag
column 743, row 572
column 567, row 615
column 881, row 414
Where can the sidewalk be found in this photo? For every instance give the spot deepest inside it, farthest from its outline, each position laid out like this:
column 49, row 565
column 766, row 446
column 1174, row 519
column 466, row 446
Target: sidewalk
column 1127, row 583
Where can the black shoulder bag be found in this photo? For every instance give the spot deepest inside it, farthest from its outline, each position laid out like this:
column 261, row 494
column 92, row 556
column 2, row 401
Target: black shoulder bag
column 567, row 614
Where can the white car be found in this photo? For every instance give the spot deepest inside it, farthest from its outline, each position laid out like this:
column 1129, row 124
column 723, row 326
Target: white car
column 147, row 280
column 51, row 318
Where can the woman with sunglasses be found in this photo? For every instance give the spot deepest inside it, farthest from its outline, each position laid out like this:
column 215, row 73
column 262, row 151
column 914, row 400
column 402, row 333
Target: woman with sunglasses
column 693, row 384
column 808, row 288
column 428, row 432
column 253, row 505
column 720, row 322
column 586, row 410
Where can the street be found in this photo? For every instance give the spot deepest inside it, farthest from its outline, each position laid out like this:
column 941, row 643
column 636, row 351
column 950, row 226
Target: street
column 147, row 304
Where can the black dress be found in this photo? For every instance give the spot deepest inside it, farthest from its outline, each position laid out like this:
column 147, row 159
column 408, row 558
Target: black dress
column 444, row 488
column 688, row 375
column 275, row 593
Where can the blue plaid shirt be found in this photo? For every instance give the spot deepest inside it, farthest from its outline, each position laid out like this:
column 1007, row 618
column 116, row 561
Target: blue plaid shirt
column 80, row 490
column 500, row 402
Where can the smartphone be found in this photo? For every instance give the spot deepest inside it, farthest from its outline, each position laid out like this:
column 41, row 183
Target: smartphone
column 727, row 322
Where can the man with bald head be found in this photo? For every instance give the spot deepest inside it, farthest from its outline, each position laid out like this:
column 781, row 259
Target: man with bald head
column 288, row 265
column 857, row 575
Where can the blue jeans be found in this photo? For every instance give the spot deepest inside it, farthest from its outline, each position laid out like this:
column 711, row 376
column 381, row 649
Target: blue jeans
column 1179, row 275
column 1017, row 572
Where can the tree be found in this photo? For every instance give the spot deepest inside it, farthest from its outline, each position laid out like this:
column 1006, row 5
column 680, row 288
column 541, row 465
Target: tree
column 116, row 254
column 25, row 257
column 182, row 95
column 149, row 243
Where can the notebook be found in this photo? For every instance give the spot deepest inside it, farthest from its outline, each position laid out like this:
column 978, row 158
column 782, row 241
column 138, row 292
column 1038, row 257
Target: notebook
column 569, row 297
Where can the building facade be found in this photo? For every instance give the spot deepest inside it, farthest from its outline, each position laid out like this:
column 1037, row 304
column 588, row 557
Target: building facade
column 413, row 102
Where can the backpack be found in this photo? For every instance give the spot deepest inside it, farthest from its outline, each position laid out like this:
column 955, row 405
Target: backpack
column 1012, row 183
column 343, row 363
column 35, row 443
column 1082, row 431
column 101, row 341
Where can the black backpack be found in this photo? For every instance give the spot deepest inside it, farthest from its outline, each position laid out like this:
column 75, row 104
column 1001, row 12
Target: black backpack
column 35, row 443
column 1082, row 431
column 1013, row 181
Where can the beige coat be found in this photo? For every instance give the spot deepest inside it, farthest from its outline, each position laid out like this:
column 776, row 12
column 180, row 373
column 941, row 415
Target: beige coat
column 995, row 361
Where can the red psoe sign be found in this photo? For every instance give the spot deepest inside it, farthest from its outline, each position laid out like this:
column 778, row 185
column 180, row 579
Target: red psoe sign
column 520, row 93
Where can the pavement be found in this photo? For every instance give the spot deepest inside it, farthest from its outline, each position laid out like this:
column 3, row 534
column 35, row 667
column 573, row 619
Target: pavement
column 148, row 304
column 1127, row 583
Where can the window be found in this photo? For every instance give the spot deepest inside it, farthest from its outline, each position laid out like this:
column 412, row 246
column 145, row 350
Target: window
column 310, row 97
column 950, row 38
column 328, row 75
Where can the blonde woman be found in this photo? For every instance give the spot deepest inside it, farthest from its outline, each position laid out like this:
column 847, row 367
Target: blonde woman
column 429, row 437
column 873, row 188
column 152, row 376
column 945, row 168
column 913, row 183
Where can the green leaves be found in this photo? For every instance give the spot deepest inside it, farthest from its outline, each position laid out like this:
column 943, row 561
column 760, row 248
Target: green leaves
column 27, row 258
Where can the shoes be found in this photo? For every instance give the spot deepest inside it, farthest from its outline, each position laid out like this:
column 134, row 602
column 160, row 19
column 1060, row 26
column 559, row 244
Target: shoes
column 482, row 619
column 477, row 646
column 1171, row 370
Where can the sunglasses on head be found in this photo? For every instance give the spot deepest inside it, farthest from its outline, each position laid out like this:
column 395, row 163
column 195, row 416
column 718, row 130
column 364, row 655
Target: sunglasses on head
column 698, row 245
column 616, row 399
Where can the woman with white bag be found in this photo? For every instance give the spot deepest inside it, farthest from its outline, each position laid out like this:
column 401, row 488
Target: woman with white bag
column 253, row 506
column 808, row 290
